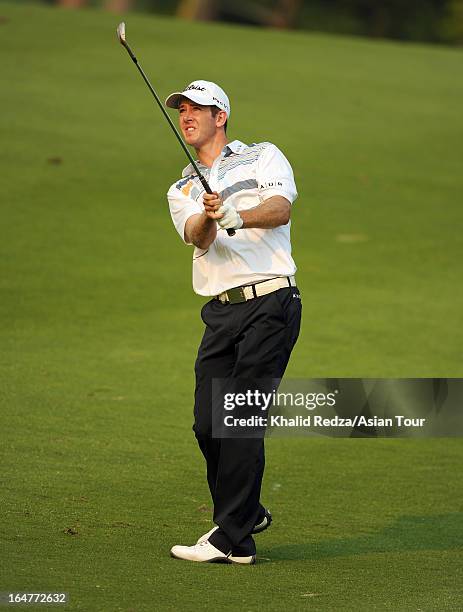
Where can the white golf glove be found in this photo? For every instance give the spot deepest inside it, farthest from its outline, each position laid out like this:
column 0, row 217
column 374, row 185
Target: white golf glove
column 230, row 219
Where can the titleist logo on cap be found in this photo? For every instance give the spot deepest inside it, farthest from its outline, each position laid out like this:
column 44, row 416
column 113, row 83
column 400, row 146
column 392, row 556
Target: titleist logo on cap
column 194, row 87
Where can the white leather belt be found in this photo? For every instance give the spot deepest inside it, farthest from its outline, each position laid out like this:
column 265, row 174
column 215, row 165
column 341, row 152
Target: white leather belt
column 249, row 292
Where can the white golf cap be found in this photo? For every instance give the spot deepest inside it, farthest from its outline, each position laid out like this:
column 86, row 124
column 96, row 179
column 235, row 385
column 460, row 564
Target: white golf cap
column 206, row 93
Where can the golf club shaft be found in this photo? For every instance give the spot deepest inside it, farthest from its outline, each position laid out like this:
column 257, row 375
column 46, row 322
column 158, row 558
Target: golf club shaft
column 204, row 182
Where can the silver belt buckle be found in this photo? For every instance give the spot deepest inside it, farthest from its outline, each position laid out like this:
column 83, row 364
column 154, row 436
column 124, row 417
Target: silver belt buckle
column 236, row 295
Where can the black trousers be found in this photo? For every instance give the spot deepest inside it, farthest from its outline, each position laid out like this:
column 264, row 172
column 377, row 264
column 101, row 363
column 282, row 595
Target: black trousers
column 253, row 339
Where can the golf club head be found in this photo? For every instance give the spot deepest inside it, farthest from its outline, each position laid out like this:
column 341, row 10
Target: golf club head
column 121, row 33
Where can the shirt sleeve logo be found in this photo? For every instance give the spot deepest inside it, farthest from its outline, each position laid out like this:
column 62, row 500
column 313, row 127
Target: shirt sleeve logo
column 184, row 183
column 187, row 188
column 271, row 184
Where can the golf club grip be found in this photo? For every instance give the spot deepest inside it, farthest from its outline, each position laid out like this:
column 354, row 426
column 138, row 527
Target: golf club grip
column 205, row 184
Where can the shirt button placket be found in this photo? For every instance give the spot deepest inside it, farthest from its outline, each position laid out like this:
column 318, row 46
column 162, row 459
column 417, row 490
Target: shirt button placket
column 213, row 176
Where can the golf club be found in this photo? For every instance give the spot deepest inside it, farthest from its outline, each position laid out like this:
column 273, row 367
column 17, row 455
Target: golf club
column 122, row 40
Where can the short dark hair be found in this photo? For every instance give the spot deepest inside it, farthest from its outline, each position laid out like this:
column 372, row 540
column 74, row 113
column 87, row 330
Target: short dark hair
column 214, row 111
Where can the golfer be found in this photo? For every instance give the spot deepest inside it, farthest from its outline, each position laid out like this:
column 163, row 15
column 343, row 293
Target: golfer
column 253, row 316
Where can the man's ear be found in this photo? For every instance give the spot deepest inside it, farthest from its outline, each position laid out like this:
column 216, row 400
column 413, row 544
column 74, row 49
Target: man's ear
column 221, row 118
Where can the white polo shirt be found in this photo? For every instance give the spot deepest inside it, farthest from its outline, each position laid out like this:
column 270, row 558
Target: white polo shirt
column 243, row 175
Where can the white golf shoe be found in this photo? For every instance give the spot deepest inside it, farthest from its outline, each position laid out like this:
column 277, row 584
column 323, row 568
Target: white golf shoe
column 204, row 552
column 262, row 526
column 264, row 523
column 207, row 535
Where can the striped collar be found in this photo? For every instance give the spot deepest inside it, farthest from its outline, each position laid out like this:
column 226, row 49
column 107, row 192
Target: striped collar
column 235, row 147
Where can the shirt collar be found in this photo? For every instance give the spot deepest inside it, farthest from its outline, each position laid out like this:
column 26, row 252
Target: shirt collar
column 236, row 147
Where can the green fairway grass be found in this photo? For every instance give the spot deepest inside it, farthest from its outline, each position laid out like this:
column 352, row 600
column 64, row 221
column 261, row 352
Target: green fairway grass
column 100, row 473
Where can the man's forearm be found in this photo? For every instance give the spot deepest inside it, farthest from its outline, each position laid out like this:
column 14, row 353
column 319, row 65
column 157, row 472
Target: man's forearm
column 271, row 213
column 201, row 230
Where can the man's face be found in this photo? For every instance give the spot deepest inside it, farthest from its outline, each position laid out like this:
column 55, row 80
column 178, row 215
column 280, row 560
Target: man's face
column 197, row 123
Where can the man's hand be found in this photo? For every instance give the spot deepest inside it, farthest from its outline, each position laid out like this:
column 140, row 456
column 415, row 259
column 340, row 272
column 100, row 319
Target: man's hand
column 212, row 202
column 230, row 218
column 225, row 214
